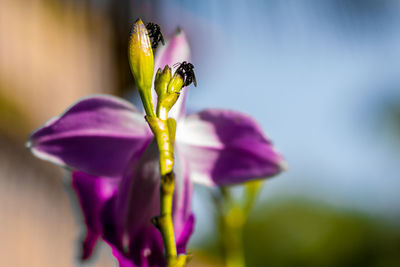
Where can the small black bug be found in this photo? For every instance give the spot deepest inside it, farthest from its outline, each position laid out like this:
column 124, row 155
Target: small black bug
column 185, row 70
column 155, row 34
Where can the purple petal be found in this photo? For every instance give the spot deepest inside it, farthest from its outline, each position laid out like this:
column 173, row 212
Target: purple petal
column 182, row 206
column 226, row 147
column 144, row 255
column 175, row 51
column 93, row 193
column 137, row 204
column 123, row 260
column 138, row 201
column 185, row 234
column 97, row 135
column 147, row 247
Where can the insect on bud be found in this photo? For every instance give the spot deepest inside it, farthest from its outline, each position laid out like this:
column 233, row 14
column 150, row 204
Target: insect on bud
column 168, row 89
column 141, row 61
column 184, row 76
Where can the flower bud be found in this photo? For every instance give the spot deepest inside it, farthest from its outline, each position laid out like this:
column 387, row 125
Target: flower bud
column 161, row 81
column 168, row 90
column 141, row 61
column 176, row 83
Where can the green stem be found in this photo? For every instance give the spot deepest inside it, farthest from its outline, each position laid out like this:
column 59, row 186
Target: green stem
column 164, row 132
column 231, row 230
column 165, row 225
column 252, row 190
column 232, row 219
column 147, row 102
column 164, row 220
column 231, row 222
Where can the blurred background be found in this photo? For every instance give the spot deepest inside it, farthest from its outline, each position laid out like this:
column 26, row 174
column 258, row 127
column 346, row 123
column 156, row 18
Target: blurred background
column 321, row 77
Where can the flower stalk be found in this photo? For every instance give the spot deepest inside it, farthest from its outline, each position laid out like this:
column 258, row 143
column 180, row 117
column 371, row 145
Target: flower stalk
column 232, row 218
column 164, row 133
column 231, row 222
column 164, row 222
column 164, row 130
column 168, row 89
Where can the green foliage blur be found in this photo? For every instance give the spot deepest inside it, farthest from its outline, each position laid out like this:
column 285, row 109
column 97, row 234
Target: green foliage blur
column 300, row 233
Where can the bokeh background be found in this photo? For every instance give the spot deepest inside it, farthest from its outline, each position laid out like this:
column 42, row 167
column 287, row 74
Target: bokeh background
column 321, row 77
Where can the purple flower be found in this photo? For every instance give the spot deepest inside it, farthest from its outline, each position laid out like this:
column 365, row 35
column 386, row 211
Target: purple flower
column 107, row 144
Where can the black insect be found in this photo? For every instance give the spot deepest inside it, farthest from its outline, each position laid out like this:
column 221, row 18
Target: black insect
column 155, row 34
column 185, row 70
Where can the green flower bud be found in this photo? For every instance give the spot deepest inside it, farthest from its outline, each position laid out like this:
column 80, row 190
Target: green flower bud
column 168, row 90
column 176, row 83
column 141, row 61
column 161, row 81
